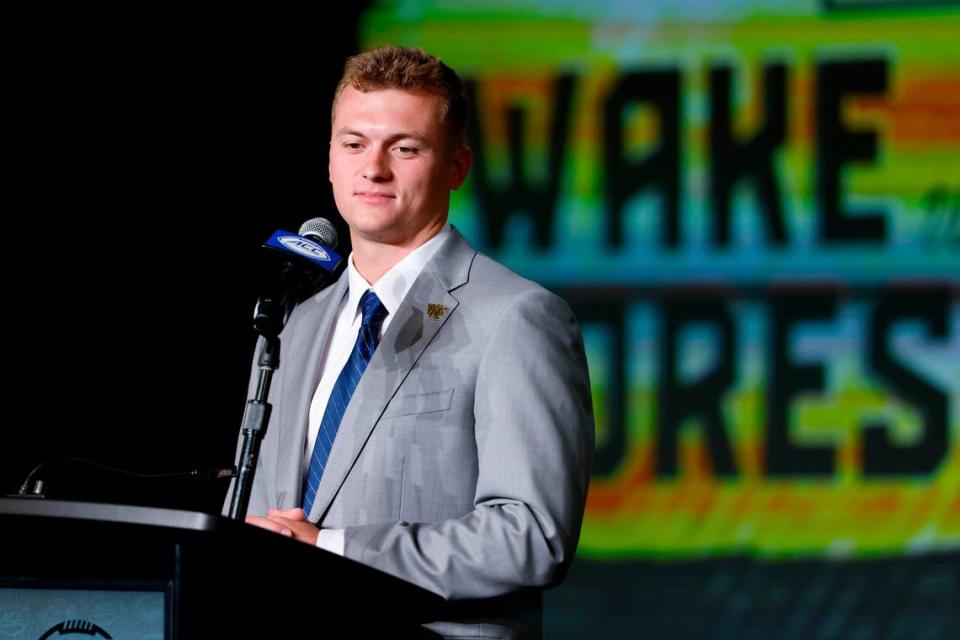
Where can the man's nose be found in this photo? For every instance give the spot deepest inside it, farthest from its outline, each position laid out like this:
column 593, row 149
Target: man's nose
column 377, row 165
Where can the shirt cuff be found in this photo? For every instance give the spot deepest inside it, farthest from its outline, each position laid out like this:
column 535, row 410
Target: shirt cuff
column 331, row 540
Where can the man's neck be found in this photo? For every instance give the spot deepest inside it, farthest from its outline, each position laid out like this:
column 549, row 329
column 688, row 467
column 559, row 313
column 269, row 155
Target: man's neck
column 372, row 259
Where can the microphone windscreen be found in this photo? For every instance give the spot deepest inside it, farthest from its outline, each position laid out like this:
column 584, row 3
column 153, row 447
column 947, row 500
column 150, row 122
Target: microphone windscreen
column 320, row 230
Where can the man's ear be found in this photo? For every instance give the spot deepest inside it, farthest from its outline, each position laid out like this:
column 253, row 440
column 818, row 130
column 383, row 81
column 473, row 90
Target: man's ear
column 460, row 166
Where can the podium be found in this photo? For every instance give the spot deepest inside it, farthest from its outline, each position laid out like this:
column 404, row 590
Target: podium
column 163, row 573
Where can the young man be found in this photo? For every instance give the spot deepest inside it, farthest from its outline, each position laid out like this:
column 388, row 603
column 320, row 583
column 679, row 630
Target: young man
column 440, row 427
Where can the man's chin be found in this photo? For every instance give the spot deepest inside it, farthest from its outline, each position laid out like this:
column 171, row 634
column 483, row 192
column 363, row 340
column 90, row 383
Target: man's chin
column 379, row 235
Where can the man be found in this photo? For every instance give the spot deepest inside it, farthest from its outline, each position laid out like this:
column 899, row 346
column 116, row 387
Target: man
column 440, row 427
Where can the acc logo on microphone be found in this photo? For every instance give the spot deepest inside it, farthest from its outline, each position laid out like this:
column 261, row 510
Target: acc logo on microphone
column 304, row 247
column 288, row 242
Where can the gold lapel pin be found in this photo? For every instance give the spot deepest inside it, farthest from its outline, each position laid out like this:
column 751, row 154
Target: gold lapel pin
column 436, row 311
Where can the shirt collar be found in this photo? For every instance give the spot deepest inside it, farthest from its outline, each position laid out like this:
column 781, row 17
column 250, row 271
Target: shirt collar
column 393, row 286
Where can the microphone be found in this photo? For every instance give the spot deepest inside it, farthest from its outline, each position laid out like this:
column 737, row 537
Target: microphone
column 320, row 230
column 307, row 262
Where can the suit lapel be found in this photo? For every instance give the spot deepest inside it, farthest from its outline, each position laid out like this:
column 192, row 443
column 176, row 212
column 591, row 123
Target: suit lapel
column 425, row 309
column 302, row 352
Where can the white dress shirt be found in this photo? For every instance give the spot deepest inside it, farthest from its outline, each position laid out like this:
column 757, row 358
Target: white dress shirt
column 391, row 288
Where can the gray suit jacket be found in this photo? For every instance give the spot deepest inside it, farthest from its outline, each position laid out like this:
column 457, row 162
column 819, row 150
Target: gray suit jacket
column 462, row 461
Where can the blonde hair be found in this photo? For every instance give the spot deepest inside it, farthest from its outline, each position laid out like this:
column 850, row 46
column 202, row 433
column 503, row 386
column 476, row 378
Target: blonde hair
column 391, row 67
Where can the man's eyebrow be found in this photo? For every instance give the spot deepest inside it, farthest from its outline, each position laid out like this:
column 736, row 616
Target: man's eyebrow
column 402, row 135
column 348, row 132
column 408, row 136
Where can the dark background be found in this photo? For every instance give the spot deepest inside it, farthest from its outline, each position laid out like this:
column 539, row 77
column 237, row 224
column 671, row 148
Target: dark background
column 146, row 165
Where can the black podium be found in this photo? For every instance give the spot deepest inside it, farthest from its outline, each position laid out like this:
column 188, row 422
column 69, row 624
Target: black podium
column 189, row 575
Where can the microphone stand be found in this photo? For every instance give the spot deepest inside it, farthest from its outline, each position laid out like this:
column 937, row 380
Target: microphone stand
column 256, row 416
column 296, row 283
column 269, row 317
column 271, row 313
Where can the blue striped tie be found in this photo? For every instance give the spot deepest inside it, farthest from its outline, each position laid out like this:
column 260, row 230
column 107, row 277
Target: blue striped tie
column 367, row 340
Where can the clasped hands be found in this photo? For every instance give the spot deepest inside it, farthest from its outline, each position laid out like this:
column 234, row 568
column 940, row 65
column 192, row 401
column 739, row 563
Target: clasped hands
column 292, row 523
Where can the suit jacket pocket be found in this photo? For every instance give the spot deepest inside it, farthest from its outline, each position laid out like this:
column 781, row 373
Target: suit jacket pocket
column 419, row 403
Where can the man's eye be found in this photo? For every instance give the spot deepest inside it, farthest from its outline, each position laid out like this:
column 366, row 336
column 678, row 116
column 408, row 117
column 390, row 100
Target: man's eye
column 351, row 145
column 406, row 151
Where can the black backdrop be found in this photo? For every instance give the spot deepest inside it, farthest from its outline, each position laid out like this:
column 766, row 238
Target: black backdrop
column 146, row 162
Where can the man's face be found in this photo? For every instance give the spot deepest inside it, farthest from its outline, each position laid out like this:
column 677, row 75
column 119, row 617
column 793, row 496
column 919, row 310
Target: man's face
column 392, row 166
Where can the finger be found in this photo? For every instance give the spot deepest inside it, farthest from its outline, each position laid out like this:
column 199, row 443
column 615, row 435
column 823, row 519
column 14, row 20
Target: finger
column 270, row 525
column 291, row 514
column 303, row 531
column 295, row 513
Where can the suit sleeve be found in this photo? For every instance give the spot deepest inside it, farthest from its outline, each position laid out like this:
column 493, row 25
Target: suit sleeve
column 534, row 434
